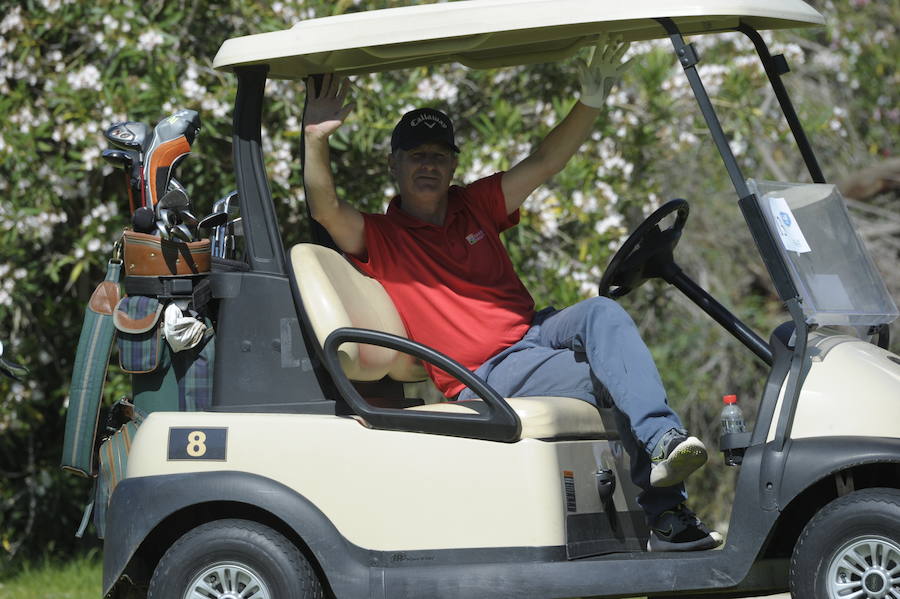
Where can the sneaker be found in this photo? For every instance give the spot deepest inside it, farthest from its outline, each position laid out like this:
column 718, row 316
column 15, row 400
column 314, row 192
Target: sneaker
column 675, row 457
column 679, row 529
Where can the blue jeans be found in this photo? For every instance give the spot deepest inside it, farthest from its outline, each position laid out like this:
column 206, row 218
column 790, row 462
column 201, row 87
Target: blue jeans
column 592, row 351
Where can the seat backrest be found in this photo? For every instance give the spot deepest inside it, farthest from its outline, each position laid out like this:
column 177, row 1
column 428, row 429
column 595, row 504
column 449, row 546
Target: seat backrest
column 335, row 294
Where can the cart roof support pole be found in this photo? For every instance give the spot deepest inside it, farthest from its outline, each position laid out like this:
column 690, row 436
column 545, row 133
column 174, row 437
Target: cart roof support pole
column 775, row 67
column 688, row 58
column 763, row 237
column 265, row 252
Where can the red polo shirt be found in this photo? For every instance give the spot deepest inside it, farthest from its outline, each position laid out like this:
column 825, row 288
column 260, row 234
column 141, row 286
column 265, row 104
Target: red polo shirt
column 454, row 285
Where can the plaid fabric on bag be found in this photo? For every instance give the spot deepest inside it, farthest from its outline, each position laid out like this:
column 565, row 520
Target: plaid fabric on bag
column 139, row 346
column 194, row 371
column 194, row 368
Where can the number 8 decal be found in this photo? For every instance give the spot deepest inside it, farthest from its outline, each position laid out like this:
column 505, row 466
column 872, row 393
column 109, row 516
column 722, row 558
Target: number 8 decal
column 196, row 444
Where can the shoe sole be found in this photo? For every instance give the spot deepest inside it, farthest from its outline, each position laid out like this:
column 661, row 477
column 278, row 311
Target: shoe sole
column 656, row 544
column 687, row 457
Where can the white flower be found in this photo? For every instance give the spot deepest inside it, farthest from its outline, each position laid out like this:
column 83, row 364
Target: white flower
column 90, row 158
column 86, row 78
column 216, row 107
column 437, row 87
column 192, row 90
column 12, row 21
column 149, row 40
column 611, row 221
column 587, row 203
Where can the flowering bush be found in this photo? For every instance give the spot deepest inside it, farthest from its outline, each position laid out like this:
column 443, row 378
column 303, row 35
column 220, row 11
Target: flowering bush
column 69, row 69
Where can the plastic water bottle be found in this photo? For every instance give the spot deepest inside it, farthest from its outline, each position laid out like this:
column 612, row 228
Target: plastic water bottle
column 732, row 422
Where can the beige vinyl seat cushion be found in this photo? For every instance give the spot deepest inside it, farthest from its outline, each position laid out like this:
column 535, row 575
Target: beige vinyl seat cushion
column 335, row 294
column 541, row 417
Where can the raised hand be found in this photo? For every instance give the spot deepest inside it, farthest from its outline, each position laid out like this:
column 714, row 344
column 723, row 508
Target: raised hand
column 325, row 107
column 601, row 71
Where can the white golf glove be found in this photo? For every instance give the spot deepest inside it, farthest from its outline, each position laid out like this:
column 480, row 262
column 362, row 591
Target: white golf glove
column 180, row 331
column 601, row 71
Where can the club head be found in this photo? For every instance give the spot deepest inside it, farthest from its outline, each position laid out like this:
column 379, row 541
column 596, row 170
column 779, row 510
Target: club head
column 184, row 122
column 167, row 217
column 119, row 158
column 171, row 142
column 129, row 135
column 161, row 230
column 174, row 199
column 228, row 204
column 176, row 184
column 216, row 219
column 187, row 217
column 182, row 233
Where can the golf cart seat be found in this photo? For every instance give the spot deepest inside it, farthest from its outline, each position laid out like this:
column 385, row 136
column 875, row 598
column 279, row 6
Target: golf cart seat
column 335, row 294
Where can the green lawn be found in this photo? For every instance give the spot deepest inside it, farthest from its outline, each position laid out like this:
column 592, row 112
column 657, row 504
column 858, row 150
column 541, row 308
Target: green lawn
column 78, row 579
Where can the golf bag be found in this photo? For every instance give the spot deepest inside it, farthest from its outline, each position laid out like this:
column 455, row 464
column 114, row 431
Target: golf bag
column 158, row 273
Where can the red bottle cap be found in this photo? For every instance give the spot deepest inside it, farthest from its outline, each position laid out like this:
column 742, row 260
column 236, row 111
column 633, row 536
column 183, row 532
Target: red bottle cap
column 729, row 399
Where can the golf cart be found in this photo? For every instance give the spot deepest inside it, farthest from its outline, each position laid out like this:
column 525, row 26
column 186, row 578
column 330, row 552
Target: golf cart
column 317, row 472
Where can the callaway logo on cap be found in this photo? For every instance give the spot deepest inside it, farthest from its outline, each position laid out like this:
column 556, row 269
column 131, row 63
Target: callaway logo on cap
column 420, row 126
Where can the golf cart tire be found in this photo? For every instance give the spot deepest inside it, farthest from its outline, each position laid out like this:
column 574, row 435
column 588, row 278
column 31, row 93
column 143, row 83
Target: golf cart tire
column 865, row 515
column 242, row 544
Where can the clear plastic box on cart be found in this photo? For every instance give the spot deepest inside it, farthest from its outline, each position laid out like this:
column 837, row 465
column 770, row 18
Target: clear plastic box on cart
column 829, row 264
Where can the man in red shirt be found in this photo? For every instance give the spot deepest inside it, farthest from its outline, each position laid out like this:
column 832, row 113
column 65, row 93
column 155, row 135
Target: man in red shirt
column 438, row 254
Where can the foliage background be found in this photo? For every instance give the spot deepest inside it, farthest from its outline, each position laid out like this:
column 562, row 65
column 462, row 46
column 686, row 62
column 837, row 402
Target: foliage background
column 68, row 69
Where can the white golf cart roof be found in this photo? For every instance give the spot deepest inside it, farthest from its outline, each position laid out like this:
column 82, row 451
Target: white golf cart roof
column 489, row 33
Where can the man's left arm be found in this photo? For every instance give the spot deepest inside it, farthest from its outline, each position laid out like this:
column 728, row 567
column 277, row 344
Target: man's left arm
column 598, row 75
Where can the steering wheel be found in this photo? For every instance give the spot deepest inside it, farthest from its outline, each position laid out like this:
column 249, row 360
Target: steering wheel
column 646, row 253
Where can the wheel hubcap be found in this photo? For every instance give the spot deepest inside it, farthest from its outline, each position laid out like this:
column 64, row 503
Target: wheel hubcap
column 227, row 581
column 865, row 568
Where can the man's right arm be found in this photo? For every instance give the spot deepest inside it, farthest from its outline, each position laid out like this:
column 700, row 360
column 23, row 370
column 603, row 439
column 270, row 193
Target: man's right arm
column 325, row 111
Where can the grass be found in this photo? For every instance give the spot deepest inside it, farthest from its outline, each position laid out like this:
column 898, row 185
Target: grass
column 77, row 579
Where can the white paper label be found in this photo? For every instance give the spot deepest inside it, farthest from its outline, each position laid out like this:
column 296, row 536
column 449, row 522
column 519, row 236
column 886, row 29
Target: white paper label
column 788, row 230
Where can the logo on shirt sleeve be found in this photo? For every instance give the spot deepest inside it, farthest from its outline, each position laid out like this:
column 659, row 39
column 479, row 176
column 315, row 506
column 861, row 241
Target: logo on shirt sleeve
column 474, row 238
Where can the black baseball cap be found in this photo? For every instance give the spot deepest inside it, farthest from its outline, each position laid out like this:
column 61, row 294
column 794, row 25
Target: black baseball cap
column 421, row 126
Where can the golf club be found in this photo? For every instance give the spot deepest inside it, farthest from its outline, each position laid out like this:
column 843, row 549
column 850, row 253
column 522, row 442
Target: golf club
column 214, row 220
column 181, row 232
column 171, row 142
column 224, row 206
column 174, row 199
column 128, row 135
column 187, row 217
column 129, row 162
column 161, row 230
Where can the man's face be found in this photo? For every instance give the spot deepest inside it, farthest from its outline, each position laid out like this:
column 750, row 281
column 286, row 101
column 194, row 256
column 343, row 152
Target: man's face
column 423, row 171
